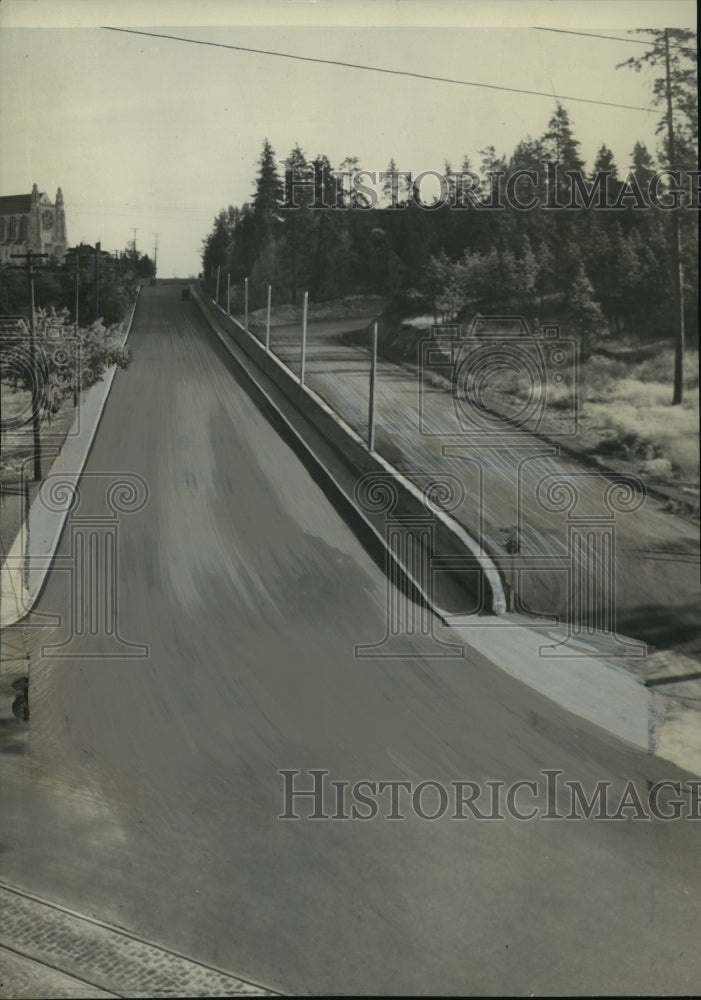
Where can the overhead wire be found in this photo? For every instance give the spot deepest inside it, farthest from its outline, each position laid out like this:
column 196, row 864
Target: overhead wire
column 612, row 38
column 381, row 69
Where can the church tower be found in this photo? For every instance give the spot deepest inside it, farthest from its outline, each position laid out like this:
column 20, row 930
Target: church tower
column 34, row 241
column 61, row 240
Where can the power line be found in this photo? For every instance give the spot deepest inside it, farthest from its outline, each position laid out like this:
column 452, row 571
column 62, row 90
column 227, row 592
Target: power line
column 589, row 34
column 613, row 38
column 381, row 69
column 129, row 208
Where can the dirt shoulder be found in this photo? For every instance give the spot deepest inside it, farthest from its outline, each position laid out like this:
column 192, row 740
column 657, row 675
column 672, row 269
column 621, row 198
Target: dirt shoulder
column 624, row 422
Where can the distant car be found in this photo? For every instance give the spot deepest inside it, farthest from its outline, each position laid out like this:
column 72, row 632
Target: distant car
column 185, row 294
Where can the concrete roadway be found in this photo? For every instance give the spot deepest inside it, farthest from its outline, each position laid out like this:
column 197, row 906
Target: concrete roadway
column 148, row 792
column 657, row 586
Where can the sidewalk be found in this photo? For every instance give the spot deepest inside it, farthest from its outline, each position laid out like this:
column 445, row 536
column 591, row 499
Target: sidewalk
column 50, row 948
column 29, row 558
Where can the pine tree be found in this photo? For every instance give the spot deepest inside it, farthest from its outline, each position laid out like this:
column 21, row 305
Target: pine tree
column 585, row 311
column 559, row 142
column 267, row 197
column 605, row 162
column 395, row 189
column 298, row 222
column 564, row 232
column 673, row 53
column 527, row 272
column 642, row 165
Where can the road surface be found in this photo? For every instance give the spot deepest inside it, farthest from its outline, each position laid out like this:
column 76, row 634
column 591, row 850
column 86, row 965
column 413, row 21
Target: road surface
column 147, row 791
column 656, row 578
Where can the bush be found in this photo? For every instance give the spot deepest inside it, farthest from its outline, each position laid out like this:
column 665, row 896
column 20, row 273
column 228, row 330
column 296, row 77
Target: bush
column 629, row 445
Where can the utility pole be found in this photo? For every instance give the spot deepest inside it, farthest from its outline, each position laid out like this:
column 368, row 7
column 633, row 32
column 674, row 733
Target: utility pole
column 373, row 384
column 77, row 284
column 155, row 255
column 134, row 244
column 77, row 303
column 36, row 415
column 677, row 267
column 303, row 360
column 98, row 248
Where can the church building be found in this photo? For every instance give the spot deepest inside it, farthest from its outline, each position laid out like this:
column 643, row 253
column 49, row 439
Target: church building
column 32, row 222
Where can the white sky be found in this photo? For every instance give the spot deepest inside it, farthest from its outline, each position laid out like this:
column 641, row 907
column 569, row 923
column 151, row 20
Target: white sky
column 159, row 135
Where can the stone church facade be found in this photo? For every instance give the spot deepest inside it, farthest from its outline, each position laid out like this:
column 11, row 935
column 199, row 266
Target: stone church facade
column 32, row 222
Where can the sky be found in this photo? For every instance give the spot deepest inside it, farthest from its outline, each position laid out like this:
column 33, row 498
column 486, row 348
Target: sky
column 158, row 135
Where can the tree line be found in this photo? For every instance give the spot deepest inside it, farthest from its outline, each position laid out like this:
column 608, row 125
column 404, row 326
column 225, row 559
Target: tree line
column 106, row 285
column 602, row 270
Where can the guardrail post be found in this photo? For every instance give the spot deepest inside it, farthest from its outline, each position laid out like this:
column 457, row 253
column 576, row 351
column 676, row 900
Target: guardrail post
column 304, row 338
column 373, row 381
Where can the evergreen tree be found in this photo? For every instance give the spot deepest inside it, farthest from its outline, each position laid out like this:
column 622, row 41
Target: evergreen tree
column 216, row 244
column 267, row 197
column 564, row 227
column 605, row 162
column 673, row 54
column 559, row 142
column 269, row 190
column 642, row 165
column 298, row 221
column 585, row 311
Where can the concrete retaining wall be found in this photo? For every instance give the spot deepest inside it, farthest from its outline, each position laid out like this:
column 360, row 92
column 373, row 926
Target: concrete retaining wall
column 450, row 537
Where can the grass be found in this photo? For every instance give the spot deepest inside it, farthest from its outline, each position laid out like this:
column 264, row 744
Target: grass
column 626, row 412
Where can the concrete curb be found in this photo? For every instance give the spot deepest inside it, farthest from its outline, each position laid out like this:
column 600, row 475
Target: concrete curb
column 29, row 560
column 590, row 687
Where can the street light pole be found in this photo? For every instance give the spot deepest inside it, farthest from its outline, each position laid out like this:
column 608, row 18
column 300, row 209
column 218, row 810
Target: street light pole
column 304, row 338
column 373, row 382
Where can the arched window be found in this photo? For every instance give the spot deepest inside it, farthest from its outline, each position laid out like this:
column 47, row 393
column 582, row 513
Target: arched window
column 13, row 228
column 2, row 230
column 23, row 229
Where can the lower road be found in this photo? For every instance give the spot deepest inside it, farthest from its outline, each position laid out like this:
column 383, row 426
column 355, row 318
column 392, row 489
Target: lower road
column 147, row 792
column 657, row 595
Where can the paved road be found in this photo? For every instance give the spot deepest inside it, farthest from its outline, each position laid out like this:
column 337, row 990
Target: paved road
column 146, row 793
column 656, row 578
